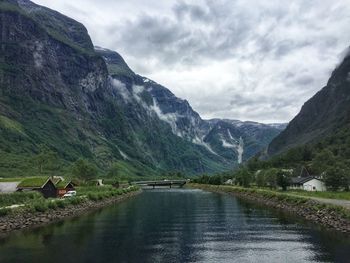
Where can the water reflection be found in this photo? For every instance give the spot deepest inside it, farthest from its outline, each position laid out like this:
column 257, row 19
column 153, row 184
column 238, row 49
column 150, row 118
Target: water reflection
column 179, row 226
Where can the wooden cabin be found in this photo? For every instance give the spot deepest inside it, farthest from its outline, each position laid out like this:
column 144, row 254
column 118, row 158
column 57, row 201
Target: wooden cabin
column 63, row 187
column 40, row 184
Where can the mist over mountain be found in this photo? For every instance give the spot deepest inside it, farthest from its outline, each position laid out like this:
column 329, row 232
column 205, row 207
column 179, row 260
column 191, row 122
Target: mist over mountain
column 60, row 92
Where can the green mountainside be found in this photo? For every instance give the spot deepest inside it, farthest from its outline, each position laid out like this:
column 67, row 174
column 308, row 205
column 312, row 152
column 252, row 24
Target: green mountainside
column 62, row 100
column 324, row 115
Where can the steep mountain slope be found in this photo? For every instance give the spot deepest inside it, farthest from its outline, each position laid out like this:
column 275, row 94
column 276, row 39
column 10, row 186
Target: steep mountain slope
column 324, row 114
column 232, row 140
column 60, row 93
column 240, row 140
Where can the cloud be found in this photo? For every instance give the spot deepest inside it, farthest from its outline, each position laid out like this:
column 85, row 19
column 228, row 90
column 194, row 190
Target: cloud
column 238, row 59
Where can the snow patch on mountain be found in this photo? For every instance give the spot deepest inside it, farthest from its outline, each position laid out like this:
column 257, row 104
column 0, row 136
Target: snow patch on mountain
column 201, row 142
column 125, row 157
column 240, row 150
column 238, row 146
column 97, row 48
column 229, row 134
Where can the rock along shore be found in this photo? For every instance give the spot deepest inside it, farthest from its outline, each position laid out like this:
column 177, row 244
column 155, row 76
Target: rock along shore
column 20, row 220
column 329, row 216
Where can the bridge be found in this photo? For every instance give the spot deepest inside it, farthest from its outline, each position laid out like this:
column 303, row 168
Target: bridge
column 163, row 183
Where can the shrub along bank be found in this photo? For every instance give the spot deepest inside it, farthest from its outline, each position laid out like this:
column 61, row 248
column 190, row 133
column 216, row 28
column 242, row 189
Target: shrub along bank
column 38, row 211
column 330, row 216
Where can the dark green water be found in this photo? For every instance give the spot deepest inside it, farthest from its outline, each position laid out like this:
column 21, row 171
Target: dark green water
column 178, row 226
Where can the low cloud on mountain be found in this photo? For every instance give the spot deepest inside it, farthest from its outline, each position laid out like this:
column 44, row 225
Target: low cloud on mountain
column 229, row 59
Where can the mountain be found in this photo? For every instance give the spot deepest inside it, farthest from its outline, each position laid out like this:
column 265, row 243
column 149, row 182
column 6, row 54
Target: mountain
column 232, row 140
column 325, row 114
column 59, row 93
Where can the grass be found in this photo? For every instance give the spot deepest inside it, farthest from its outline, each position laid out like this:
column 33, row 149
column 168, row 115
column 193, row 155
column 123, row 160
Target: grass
column 280, row 196
column 11, row 124
column 19, row 198
column 4, row 211
column 35, row 202
column 11, row 179
column 329, row 195
column 33, row 182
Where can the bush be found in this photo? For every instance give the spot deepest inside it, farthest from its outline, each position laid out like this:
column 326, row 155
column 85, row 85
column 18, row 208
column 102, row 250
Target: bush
column 40, row 206
column 75, row 200
column 19, row 198
column 92, row 196
column 61, row 204
column 4, row 211
column 52, row 205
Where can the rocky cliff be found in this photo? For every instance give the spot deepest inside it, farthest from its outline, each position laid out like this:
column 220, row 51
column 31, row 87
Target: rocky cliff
column 60, row 93
column 324, row 114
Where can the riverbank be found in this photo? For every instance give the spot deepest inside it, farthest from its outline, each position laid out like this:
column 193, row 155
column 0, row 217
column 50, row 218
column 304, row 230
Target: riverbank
column 327, row 215
column 26, row 218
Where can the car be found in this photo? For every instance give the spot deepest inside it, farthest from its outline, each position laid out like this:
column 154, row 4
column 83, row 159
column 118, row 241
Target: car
column 67, row 196
column 70, row 194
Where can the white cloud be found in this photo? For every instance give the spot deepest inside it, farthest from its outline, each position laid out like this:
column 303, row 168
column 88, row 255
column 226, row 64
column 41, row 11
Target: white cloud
column 241, row 59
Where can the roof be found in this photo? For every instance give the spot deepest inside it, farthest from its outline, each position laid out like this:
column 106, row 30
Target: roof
column 302, row 180
column 56, row 180
column 63, row 184
column 8, row 187
column 34, row 182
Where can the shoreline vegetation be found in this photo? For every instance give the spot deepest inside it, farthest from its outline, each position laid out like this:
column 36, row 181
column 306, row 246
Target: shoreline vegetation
column 37, row 211
column 327, row 215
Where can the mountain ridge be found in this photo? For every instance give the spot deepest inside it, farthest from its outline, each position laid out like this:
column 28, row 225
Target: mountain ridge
column 321, row 116
column 79, row 101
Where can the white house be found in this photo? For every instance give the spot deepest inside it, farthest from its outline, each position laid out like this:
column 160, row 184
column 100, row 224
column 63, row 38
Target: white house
column 309, row 183
column 229, row 182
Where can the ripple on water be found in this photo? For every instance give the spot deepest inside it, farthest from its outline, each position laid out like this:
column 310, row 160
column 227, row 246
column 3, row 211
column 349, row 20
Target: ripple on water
column 178, row 225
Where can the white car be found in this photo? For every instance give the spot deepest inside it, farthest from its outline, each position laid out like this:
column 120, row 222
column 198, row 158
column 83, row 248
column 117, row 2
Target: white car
column 70, row 194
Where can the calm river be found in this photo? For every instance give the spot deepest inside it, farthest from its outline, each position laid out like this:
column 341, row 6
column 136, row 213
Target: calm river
column 178, row 226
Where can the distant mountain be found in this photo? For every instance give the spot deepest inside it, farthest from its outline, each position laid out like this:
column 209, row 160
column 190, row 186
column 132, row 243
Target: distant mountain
column 60, row 92
column 325, row 114
column 232, row 140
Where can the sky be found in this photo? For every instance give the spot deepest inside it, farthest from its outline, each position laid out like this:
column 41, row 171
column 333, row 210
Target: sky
column 236, row 59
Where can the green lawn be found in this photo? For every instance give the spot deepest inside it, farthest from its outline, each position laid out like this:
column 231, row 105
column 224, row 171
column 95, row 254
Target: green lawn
column 329, row 195
column 12, row 179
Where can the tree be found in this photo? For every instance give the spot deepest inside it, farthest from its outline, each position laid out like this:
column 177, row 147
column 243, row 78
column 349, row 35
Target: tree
column 216, row 179
column 337, row 177
column 85, row 170
column 323, row 161
column 243, row 177
column 45, row 157
column 282, row 180
column 260, row 178
column 113, row 171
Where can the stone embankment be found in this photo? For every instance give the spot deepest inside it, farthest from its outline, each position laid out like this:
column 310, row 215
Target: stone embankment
column 329, row 216
column 25, row 219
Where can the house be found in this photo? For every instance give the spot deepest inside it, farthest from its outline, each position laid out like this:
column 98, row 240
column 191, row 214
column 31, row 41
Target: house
column 8, row 187
column 309, row 183
column 40, row 184
column 229, row 182
column 63, row 187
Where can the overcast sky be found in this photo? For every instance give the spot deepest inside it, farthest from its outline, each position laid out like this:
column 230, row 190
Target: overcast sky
column 237, row 59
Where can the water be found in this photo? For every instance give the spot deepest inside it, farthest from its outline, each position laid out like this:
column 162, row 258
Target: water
column 178, row 226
